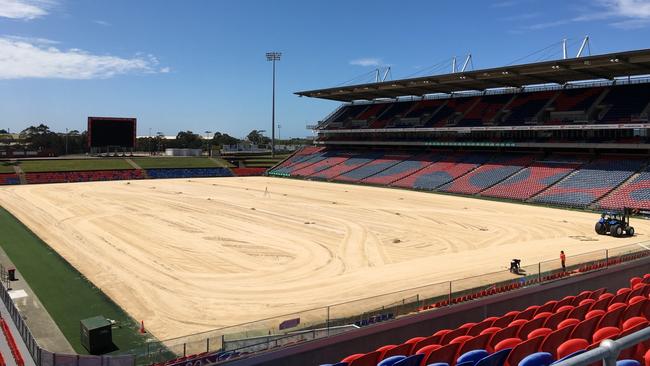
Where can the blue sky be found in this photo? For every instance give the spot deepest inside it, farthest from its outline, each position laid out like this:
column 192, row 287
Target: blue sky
column 199, row 65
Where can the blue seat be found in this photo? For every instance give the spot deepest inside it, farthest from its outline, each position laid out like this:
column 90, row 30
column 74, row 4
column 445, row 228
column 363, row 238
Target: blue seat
column 390, row 361
column 414, row 360
column 569, row 356
column 495, row 359
column 472, row 356
column 628, row 363
column 537, row 359
column 440, row 364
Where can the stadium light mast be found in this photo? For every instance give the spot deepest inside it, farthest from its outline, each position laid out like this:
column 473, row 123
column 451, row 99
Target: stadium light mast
column 273, row 56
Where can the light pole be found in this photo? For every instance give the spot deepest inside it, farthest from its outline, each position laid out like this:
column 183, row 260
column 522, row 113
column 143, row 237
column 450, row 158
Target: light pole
column 273, row 56
column 207, row 143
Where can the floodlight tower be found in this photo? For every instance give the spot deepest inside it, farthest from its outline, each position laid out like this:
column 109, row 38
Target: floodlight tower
column 273, row 56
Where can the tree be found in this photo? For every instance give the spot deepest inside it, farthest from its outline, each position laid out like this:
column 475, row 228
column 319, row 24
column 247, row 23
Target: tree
column 188, row 140
column 257, row 138
column 41, row 138
column 3, row 130
column 224, row 139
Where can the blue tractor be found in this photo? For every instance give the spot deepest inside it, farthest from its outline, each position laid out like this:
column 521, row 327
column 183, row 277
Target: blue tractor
column 615, row 223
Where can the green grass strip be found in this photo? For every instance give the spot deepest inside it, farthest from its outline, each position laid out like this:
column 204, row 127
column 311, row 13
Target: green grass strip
column 6, row 167
column 57, row 165
column 66, row 294
column 172, row 162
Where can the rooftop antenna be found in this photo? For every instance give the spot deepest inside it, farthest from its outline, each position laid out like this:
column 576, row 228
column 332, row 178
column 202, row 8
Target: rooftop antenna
column 386, row 74
column 564, row 49
column 585, row 42
column 453, row 65
column 467, row 61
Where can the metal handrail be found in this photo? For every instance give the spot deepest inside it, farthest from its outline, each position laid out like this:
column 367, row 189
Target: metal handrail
column 608, row 350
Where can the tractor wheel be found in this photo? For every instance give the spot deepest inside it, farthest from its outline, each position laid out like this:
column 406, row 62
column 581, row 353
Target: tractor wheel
column 600, row 228
column 617, row 231
column 630, row 231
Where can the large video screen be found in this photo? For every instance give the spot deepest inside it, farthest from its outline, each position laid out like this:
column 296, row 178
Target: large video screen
column 107, row 131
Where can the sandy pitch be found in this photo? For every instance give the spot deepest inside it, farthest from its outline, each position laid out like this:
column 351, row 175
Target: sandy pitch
column 192, row 255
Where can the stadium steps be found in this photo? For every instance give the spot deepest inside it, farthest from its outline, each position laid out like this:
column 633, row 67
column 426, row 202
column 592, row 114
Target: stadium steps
column 430, row 117
column 533, row 197
column 20, row 173
column 596, row 204
column 137, row 167
column 500, row 113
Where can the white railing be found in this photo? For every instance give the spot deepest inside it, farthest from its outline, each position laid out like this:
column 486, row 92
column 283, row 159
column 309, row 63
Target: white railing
column 608, row 350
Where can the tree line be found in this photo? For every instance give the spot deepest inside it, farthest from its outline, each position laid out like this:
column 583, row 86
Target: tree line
column 41, row 138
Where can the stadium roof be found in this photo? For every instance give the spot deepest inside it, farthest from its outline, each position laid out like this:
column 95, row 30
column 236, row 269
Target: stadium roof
column 608, row 66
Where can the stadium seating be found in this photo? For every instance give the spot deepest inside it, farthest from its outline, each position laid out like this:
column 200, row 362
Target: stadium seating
column 485, row 112
column 443, row 171
column 297, row 164
column 525, row 107
column 634, row 194
column 531, row 180
column 355, row 161
column 188, row 173
column 372, row 168
column 247, row 172
column 590, row 182
column 489, row 174
column 83, row 176
column 624, row 103
column 402, row 169
column 9, row 179
column 301, row 155
column 534, row 330
column 331, row 158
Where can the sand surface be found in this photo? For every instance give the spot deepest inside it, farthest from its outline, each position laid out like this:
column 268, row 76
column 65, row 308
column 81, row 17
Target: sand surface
column 192, row 255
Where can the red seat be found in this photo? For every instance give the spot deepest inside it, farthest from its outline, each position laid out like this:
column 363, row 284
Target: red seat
column 539, row 332
column 426, row 350
column 384, row 349
column 594, row 313
column 621, row 296
column 612, row 318
column 571, row 346
column 597, row 293
column 555, row 319
column 631, row 322
column 490, row 330
column 529, row 327
column 505, row 333
column 616, row 305
column 467, row 325
column 634, row 281
column 543, row 314
column 446, row 338
column 605, row 333
column 503, row 321
column 580, row 311
column 569, row 322
column 523, row 349
column 566, row 301
column 353, row 357
column 446, row 354
column 403, row 349
column 461, row 339
column 518, row 322
column 549, row 306
column 434, row 339
column 369, row 359
column 587, row 301
column 554, row 339
column 528, row 313
column 478, row 342
column 506, row 343
column 585, row 328
column 479, row 327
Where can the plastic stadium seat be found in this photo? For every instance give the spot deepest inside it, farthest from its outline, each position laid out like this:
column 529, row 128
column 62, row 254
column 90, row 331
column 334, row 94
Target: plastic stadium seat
column 605, row 333
column 495, row 359
column 594, row 313
column 369, row 359
column 447, row 337
column 403, row 349
column 585, row 328
column 570, row 322
column 506, row 343
column 427, row 349
column 616, row 305
column 490, row 330
column 503, row 321
column 468, row 326
column 390, row 361
column 531, row 325
column 473, row 356
column 478, row 342
column 611, row 318
column 518, row 322
column 353, row 357
column 430, row 340
column 537, row 359
column 479, row 327
column 634, row 321
column 555, row 319
column 555, row 339
column 580, row 311
column 414, row 360
column 566, row 301
column 523, row 349
column 505, row 333
column 587, row 301
column 445, row 354
column 564, row 308
column 571, row 346
column 460, row 339
column 528, row 313
column 628, row 363
column 540, row 332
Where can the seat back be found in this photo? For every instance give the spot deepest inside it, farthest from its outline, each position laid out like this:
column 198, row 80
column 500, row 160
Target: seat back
column 528, row 313
column 478, row 342
column 495, row 359
column 537, row 359
column 555, row 339
column 571, row 346
column 509, row 332
column 585, row 328
column 580, row 311
column 602, row 304
column 555, row 319
column 403, row 349
column 414, row 360
column 611, row 318
column 453, row 334
column 369, row 359
column 479, row 327
column 503, row 321
column 605, row 333
column 634, row 309
column 446, row 354
column 529, row 327
column 522, row 350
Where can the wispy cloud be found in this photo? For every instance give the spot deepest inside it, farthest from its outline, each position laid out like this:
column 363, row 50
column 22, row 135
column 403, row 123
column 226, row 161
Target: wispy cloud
column 623, row 14
column 366, row 61
column 25, row 9
column 524, row 16
column 102, row 22
column 25, row 58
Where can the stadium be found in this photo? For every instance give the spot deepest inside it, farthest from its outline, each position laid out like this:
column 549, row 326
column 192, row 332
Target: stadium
column 423, row 225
